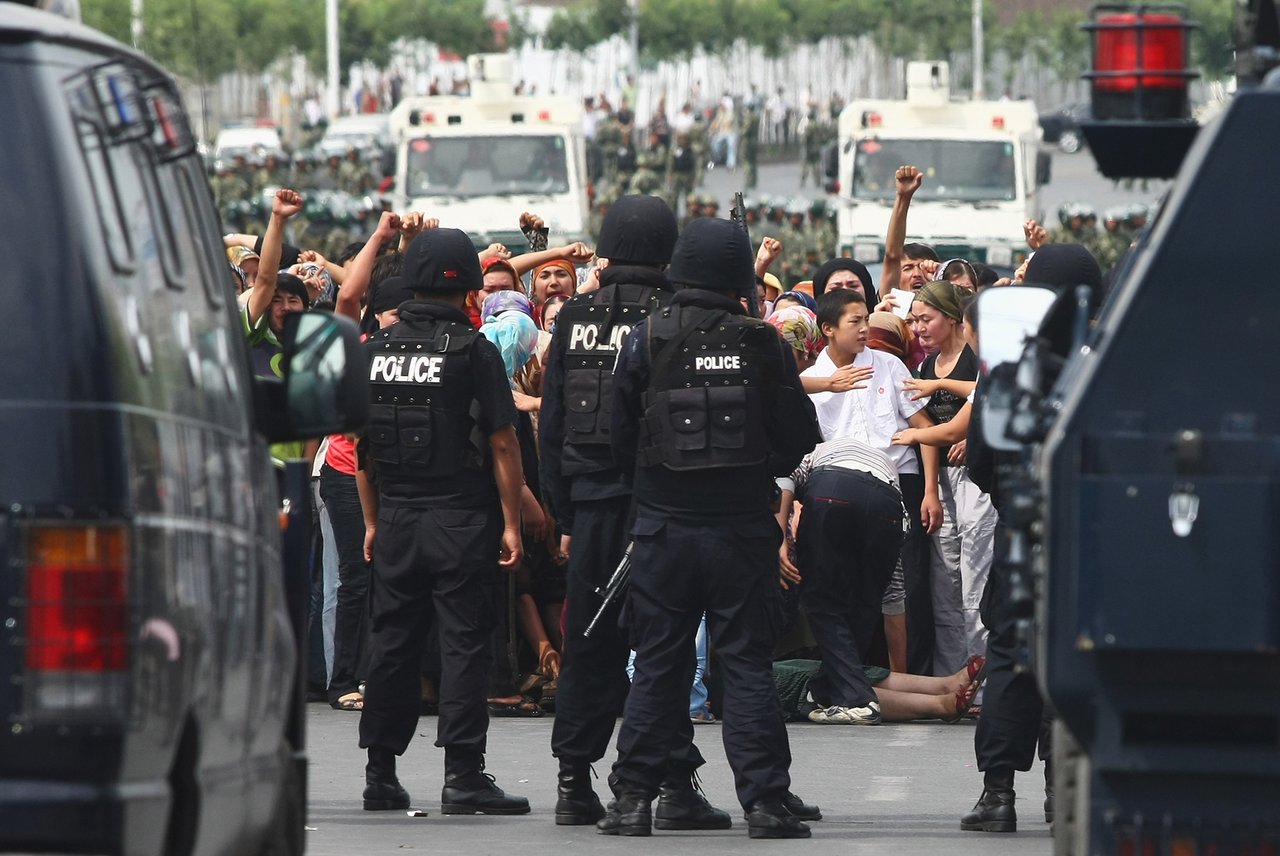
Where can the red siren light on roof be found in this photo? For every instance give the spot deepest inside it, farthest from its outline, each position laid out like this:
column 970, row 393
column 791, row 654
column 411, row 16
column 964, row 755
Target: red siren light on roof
column 1140, row 59
column 544, row 115
column 997, row 122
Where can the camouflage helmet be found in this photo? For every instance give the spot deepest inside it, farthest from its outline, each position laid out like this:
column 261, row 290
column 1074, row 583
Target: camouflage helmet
column 797, row 206
column 709, row 201
column 818, row 207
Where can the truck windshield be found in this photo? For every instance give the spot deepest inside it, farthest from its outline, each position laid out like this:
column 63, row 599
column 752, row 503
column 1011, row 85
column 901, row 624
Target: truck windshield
column 487, row 166
column 962, row 170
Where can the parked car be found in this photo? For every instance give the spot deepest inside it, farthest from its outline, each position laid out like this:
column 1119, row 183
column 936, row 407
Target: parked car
column 151, row 685
column 1062, row 126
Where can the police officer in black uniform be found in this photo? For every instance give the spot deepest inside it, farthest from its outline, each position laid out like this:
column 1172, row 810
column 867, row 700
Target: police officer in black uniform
column 442, row 446
column 708, row 407
column 591, row 500
column 1015, row 717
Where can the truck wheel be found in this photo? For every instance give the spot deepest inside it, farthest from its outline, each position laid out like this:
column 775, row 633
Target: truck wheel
column 1069, row 142
column 287, row 834
column 1071, row 794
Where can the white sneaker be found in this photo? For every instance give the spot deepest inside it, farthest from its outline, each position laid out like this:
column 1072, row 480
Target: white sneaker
column 836, row 715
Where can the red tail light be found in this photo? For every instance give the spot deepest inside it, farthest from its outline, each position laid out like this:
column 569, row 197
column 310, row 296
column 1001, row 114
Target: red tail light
column 77, row 604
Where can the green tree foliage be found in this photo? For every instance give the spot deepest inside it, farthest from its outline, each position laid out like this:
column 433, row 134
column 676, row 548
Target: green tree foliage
column 1212, row 45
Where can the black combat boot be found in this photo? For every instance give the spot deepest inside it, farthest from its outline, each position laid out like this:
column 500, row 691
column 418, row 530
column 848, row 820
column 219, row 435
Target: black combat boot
column 799, row 808
column 576, row 801
column 681, row 805
column 468, row 789
column 1048, row 791
column 772, row 819
column 629, row 814
column 994, row 811
column 382, row 791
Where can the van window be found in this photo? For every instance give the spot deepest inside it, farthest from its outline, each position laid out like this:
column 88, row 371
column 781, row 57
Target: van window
column 93, row 147
column 203, row 228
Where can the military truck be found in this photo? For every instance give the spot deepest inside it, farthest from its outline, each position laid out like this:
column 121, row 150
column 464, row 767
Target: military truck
column 982, row 164
column 1150, row 474
column 477, row 161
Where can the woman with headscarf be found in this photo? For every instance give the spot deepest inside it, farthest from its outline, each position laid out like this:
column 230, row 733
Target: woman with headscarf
column 889, row 333
column 795, row 298
column 844, row 273
column 963, row 544
column 799, row 329
column 508, row 324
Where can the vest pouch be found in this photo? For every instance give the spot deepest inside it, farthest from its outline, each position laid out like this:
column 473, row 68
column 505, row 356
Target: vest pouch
column 728, row 418
column 414, row 433
column 586, row 419
column 384, row 445
column 687, row 418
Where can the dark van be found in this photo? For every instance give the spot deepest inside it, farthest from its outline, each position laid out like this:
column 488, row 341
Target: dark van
column 148, row 662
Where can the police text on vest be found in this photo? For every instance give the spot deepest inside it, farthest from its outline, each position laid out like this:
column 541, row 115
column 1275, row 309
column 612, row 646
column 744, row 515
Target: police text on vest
column 402, row 368
column 723, row 363
column 587, row 337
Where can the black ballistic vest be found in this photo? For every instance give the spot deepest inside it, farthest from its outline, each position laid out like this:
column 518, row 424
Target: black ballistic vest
column 422, row 416
column 596, row 324
column 704, row 405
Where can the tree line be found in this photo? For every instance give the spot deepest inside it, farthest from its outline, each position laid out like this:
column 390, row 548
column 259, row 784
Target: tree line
column 204, row 39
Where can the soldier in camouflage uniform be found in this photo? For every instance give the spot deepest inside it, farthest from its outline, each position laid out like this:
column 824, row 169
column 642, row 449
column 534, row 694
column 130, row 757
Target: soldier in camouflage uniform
column 353, row 176
column 272, row 174
column 701, row 150
column 692, row 209
column 646, row 180
column 811, row 150
column 776, row 213
column 1115, row 238
column 604, row 199
column 609, row 138
column 795, row 251
column 1070, row 224
column 710, row 206
column 822, row 231
column 681, row 167
column 750, row 145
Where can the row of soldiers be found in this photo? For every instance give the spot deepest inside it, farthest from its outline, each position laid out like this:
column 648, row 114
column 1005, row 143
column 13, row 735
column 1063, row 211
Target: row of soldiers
column 1078, row 224
column 806, row 228
column 336, row 191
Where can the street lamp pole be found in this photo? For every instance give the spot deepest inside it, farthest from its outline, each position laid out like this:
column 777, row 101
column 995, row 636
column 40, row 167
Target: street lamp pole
column 979, row 87
column 333, row 94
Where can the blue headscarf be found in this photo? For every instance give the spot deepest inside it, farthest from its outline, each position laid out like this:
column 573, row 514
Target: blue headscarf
column 516, row 337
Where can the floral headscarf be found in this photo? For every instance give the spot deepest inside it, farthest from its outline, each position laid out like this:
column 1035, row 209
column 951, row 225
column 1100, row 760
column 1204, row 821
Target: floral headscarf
column 799, row 329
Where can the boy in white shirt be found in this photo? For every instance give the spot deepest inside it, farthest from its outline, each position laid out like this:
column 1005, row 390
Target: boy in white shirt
column 875, row 409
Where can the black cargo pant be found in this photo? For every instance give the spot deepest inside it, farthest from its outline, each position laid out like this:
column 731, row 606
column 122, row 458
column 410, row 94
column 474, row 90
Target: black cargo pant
column 916, row 551
column 730, row 571
column 1014, row 715
column 593, row 677
column 425, row 561
column 847, row 547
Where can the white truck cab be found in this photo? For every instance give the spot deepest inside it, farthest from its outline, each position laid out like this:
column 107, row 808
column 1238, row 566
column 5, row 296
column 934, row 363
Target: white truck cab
column 477, row 161
column 982, row 170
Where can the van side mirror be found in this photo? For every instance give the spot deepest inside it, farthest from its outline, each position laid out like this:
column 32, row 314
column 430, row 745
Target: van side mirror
column 1007, row 318
column 325, row 389
column 1044, row 168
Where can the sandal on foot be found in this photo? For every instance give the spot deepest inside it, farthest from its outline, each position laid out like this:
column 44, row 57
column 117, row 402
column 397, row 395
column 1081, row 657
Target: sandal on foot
column 525, row 707
column 976, row 668
column 350, row 701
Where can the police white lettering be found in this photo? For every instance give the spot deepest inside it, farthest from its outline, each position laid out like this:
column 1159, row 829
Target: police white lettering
column 718, row 364
column 586, row 337
column 402, row 368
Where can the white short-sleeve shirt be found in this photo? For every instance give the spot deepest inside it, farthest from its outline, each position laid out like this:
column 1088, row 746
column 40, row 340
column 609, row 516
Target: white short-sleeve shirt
column 871, row 415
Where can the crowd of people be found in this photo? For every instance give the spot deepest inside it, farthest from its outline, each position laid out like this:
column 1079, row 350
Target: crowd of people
column 533, row 415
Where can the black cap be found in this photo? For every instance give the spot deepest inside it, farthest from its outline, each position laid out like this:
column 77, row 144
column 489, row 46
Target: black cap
column 442, row 260
column 638, row 230
column 713, row 254
column 389, row 294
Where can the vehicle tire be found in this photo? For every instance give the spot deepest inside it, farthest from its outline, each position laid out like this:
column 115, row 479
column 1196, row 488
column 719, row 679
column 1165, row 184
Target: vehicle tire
column 184, row 804
column 1071, row 794
column 287, row 835
column 1069, row 142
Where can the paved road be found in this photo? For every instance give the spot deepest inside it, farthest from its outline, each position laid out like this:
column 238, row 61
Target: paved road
column 896, row 789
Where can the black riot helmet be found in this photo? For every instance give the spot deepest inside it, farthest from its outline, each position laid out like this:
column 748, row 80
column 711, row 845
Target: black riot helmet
column 713, row 254
column 637, row 230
